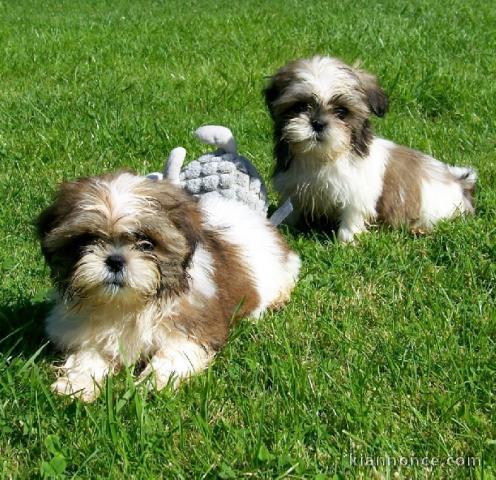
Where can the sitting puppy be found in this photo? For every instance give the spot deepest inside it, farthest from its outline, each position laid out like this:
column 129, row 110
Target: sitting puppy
column 331, row 165
column 144, row 271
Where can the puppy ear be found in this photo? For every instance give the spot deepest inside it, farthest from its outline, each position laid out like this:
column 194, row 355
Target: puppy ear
column 186, row 217
column 376, row 97
column 271, row 93
column 46, row 221
column 53, row 216
column 181, row 209
column 61, row 207
column 277, row 84
column 44, row 224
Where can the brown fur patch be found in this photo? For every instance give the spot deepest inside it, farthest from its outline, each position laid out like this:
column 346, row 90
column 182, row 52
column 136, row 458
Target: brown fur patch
column 401, row 197
column 177, row 213
column 62, row 251
column 235, row 297
column 180, row 208
column 67, row 197
column 277, row 83
column 376, row 97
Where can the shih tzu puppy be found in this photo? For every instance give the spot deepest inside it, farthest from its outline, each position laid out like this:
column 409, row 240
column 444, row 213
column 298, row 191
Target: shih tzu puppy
column 332, row 166
column 144, row 271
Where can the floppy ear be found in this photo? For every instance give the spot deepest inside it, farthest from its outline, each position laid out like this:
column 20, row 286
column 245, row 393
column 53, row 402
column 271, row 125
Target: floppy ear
column 54, row 215
column 271, row 93
column 56, row 212
column 277, row 84
column 186, row 217
column 376, row 97
column 46, row 221
column 181, row 209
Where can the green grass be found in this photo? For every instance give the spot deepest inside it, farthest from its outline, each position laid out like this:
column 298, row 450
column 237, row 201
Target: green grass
column 387, row 347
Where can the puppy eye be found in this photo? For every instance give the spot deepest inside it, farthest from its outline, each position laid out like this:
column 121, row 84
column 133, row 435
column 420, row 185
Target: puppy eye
column 82, row 241
column 299, row 107
column 341, row 112
column 145, row 245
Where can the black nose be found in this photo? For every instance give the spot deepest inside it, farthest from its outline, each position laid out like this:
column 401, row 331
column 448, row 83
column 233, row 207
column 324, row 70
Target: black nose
column 318, row 125
column 115, row 262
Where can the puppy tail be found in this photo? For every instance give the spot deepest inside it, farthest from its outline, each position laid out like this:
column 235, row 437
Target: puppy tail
column 467, row 177
column 220, row 137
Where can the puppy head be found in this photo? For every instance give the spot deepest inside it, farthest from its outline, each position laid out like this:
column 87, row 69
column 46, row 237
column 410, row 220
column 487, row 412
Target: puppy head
column 322, row 105
column 119, row 238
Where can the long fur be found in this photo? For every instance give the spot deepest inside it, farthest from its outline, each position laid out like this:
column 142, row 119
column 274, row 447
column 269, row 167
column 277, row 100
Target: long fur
column 331, row 165
column 145, row 271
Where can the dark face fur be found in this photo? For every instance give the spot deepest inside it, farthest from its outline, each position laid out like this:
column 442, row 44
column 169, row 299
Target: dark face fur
column 119, row 238
column 322, row 106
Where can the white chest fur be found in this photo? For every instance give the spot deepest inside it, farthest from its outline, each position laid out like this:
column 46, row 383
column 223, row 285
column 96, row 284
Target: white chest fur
column 320, row 186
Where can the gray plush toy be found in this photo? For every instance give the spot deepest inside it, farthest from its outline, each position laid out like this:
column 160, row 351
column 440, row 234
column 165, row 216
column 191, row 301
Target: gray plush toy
column 222, row 172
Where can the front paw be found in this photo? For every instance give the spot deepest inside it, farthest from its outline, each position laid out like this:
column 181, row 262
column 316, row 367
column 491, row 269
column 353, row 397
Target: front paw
column 345, row 235
column 85, row 389
column 152, row 379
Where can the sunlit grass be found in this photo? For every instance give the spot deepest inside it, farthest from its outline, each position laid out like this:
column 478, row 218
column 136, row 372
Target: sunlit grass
column 387, row 347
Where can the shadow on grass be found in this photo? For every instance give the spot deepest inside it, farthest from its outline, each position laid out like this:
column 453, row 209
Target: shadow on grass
column 321, row 229
column 22, row 329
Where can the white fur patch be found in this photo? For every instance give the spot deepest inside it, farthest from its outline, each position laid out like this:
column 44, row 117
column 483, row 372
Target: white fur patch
column 259, row 244
column 178, row 358
column 201, row 272
column 117, row 200
column 442, row 193
column 348, row 183
column 82, row 375
column 319, row 76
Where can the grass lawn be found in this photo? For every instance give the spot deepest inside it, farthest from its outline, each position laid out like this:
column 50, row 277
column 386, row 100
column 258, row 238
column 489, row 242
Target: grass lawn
column 387, row 348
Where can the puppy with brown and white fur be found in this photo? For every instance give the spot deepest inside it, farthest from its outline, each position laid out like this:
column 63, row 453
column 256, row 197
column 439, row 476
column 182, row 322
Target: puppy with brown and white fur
column 331, row 165
column 144, row 271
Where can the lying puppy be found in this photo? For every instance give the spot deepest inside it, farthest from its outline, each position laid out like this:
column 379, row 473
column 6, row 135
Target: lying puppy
column 145, row 271
column 331, row 165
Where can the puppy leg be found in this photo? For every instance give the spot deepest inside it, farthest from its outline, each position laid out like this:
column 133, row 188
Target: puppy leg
column 352, row 221
column 291, row 269
column 82, row 375
column 178, row 358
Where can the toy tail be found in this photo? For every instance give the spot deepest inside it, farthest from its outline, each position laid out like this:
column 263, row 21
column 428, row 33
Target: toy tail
column 174, row 163
column 217, row 136
column 281, row 213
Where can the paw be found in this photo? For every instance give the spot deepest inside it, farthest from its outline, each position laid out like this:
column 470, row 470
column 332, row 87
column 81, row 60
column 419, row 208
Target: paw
column 348, row 234
column 84, row 389
column 151, row 379
column 345, row 235
column 282, row 298
column 419, row 231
